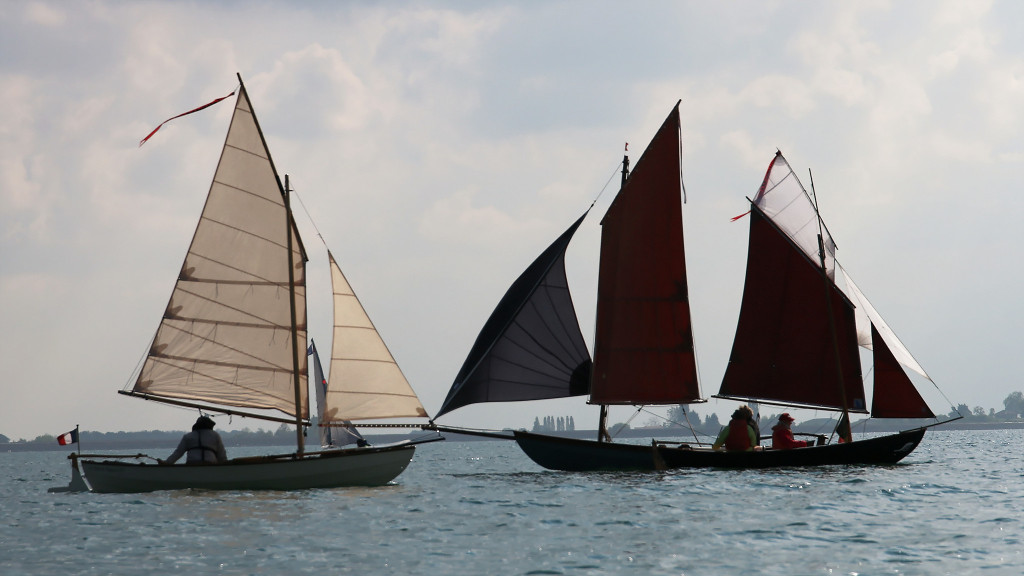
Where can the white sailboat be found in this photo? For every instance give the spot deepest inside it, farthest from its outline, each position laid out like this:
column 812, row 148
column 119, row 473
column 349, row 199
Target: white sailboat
column 233, row 338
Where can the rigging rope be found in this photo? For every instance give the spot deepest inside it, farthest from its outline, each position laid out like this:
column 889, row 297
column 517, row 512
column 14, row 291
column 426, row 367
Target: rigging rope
column 295, row 193
column 681, row 425
column 623, row 425
column 605, row 187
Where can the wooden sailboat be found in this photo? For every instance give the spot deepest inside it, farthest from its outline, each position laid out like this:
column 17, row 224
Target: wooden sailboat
column 796, row 342
column 233, row 338
column 531, row 347
column 799, row 332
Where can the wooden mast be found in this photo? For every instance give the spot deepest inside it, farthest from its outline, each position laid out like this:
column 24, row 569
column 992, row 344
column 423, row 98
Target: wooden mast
column 290, row 223
column 602, row 424
column 844, row 434
column 299, row 439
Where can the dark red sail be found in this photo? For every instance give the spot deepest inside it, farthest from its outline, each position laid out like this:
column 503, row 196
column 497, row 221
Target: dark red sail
column 895, row 395
column 644, row 342
column 787, row 350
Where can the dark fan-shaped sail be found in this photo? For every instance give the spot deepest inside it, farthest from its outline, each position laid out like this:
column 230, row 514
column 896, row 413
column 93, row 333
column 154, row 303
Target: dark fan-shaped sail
column 531, row 347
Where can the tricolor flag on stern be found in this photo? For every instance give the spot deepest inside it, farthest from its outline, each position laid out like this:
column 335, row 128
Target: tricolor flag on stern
column 68, row 438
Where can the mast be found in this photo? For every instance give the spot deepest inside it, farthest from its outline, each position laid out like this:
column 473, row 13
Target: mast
column 299, row 441
column 845, row 432
column 602, row 424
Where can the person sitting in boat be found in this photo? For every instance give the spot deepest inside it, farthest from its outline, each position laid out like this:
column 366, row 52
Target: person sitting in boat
column 203, row 445
column 782, row 434
column 740, row 434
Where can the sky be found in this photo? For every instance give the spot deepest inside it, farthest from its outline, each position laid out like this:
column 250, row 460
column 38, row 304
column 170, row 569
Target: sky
column 439, row 147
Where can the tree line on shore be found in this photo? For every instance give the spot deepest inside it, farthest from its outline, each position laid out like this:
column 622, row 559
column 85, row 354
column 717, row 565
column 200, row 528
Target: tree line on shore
column 679, row 417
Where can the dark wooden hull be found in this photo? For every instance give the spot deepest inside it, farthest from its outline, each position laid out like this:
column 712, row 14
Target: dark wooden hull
column 574, row 455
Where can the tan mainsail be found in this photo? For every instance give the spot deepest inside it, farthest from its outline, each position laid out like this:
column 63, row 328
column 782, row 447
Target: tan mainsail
column 365, row 382
column 226, row 336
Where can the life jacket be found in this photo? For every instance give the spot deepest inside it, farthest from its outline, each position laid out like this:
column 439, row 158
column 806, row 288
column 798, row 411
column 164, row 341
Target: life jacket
column 199, row 452
column 739, row 436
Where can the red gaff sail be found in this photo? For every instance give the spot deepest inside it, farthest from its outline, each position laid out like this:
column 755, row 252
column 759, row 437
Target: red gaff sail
column 644, row 341
column 787, row 349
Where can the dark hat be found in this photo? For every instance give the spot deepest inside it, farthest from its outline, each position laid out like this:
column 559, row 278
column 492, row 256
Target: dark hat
column 785, row 417
column 204, row 423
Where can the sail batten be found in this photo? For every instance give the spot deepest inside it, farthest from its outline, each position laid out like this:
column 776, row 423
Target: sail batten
column 218, row 341
column 199, row 362
column 643, row 350
column 231, row 228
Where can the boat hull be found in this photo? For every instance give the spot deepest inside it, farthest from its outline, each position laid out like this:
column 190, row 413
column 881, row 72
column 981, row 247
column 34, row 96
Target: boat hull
column 373, row 466
column 574, row 455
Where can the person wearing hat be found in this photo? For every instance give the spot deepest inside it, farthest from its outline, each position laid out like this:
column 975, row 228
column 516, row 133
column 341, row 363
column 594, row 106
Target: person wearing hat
column 740, row 434
column 782, row 435
column 202, row 444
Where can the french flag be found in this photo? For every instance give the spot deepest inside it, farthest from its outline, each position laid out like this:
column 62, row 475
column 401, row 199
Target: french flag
column 68, row 438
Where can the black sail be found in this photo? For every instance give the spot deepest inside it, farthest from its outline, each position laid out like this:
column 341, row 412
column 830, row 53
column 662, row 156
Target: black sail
column 531, row 348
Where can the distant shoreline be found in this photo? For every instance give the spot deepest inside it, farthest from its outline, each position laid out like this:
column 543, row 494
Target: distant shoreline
column 168, row 440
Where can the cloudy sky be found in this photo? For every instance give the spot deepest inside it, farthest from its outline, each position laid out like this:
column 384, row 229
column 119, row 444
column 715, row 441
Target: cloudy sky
column 440, row 146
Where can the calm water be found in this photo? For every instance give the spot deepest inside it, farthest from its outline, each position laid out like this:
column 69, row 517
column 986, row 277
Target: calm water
column 955, row 506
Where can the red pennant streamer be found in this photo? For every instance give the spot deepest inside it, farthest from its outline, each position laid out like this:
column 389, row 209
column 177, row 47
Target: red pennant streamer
column 150, row 135
column 735, row 218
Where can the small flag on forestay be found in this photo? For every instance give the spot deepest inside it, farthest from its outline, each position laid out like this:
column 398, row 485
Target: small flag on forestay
column 68, row 438
column 207, row 105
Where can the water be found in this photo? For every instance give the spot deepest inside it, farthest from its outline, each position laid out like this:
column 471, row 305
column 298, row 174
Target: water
column 953, row 507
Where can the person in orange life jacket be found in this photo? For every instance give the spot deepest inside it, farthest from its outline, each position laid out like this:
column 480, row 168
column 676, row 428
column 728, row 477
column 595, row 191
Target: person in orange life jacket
column 202, row 444
column 782, row 435
column 740, row 434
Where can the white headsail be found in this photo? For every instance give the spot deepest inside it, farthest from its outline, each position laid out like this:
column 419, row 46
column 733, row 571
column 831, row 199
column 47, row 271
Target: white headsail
column 899, row 351
column 365, row 382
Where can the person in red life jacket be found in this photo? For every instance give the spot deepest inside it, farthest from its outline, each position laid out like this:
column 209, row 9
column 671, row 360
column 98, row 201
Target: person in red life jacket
column 782, row 435
column 741, row 434
column 202, row 444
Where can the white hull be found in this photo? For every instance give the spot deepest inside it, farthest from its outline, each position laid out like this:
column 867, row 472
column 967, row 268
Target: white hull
column 372, row 466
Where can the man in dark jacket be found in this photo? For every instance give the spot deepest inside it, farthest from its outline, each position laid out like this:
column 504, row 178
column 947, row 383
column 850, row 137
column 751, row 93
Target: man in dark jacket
column 203, row 445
